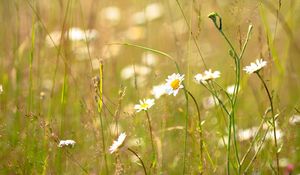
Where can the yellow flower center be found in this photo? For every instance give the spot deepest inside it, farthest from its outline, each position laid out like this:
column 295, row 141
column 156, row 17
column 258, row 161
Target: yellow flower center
column 175, row 84
column 144, row 105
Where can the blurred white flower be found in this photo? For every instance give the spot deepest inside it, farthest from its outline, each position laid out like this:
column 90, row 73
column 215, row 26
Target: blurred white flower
column 230, row 89
column 118, row 143
column 149, row 59
column 294, row 120
column 255, row 67
column 74, row 34
column 111, row 14
column 247, row 134
column 151, row 12
column 145, row 104
column 1, row 89
column 158, row 91
column 42, row 95
column 174, row 83
column 207, row 76
column 77, row 34
column 131, row 70
column 66, row 143
column 279, row 135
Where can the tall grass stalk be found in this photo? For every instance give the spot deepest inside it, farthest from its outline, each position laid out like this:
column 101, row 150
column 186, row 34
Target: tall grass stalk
column 140, row 159
column 217, row 20
column 200, row 131
column 273, row 119
column 100, row 106
column 29, row 141
column 153, row 164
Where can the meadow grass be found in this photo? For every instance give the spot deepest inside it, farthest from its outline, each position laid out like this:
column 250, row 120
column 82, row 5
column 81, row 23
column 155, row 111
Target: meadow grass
column 149, row 87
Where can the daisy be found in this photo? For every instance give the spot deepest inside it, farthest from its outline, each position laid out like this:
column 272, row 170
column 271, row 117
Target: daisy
column 118, row 143
column 1, row 89
column 255, row 67
column 174, row 83
column 66, row 143
column 158, row 91
column 144, row 105
column 207, row 76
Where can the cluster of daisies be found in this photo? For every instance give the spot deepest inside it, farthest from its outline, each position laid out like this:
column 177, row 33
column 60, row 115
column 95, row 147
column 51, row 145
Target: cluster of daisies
column 172, row 86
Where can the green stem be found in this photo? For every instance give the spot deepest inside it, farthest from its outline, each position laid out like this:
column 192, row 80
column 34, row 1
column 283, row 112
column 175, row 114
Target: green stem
column 151, row 137
column 273, row 119
column 144, row 168
column 186, row 130
column 200, row 128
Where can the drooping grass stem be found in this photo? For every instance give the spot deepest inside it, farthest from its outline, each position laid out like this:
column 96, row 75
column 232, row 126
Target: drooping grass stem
column 143, row 165
column 100, row 106
column 217, row 20
column 273, row 118
column 200, row 129
column 152, row 142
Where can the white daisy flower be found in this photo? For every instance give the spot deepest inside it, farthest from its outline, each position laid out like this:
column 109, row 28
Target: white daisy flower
column 118, row 143
column 255, row 67
column 66, row 143
column 158, row 91
column 207, row 76
column 144, row 105
column 174, row 83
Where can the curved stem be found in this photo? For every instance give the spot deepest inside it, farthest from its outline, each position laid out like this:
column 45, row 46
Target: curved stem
column 273, row 119
column 144, row 168
column 151, row 137
column 236, row 87
column 200, row 127
column 186, row 126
